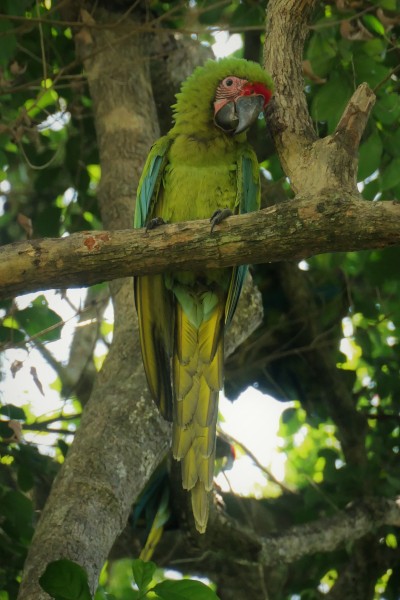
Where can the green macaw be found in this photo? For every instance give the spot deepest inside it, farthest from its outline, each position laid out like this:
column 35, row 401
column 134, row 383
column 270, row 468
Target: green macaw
column 202, row 168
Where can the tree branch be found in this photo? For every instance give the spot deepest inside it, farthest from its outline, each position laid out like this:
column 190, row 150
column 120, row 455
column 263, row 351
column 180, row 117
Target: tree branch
column 328, row 534
column 290, row 230
column 274, row 549
column 314, row 166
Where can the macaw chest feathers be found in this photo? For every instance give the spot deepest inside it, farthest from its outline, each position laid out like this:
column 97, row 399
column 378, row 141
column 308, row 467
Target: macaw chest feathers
column 191, row 192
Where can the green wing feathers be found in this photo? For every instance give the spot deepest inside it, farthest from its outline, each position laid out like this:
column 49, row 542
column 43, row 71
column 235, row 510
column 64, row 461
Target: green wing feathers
column 155, row 314
column 150, row 181
column 248, row 185
column 153, row 301
column 249, row 182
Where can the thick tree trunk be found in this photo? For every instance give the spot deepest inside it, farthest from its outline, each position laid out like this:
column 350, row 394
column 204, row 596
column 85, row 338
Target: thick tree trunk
column 121, row 437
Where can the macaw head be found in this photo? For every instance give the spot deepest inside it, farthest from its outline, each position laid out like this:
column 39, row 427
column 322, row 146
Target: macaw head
column 223, row 95
column 238, row 103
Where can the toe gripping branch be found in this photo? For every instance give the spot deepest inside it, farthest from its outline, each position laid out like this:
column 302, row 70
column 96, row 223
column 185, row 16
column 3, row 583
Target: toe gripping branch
column 218, row 216
column 156, row 222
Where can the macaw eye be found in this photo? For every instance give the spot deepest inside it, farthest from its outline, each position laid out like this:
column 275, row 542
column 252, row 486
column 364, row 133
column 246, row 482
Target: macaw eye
column 228, row 82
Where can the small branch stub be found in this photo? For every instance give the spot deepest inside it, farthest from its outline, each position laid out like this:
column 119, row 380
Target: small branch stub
column 355, row 116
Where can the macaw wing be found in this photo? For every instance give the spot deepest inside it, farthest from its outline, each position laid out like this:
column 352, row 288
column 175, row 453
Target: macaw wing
column 153, row 301
column 248, row 181
column 150, row 181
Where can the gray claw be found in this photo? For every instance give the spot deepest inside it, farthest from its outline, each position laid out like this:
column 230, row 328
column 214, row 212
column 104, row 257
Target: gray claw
column 218, row 216
column 156, row 222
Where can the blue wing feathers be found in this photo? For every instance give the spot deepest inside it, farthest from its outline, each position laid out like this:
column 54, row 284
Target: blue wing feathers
column 251, row 185
column 150, row 181
column 249, row 194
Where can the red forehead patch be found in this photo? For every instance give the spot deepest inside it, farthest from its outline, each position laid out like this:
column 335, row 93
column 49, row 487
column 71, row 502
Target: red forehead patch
column 258, row 89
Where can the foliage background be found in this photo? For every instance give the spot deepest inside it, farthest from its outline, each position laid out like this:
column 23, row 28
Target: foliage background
column 329, row 339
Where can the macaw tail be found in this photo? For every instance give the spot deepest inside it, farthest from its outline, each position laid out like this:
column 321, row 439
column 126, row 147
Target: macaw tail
column 198, row 377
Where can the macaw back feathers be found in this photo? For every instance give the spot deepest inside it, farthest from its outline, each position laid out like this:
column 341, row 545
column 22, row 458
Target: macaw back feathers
column 196, row 169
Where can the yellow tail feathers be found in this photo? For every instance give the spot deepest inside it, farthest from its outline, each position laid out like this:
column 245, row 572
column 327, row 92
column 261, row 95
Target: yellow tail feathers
column 200, row 506
column 198, row 377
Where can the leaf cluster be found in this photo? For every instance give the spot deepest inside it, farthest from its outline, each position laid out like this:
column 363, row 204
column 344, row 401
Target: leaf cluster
column 66, row 580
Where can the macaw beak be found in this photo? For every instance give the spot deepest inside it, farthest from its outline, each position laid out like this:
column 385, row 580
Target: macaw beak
column 237, row 116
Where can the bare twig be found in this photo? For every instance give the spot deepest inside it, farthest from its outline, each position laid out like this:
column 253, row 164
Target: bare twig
column 231, row 440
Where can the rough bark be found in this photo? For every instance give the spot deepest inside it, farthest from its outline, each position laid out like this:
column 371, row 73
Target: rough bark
column 314, row 166
column 369, row 561
column 290, row 230
column 327, row 534
column 276, row 548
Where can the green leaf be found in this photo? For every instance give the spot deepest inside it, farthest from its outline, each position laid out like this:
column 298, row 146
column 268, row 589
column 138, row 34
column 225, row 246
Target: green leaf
column 185, row 589
column 367, row 69
column 374, row 24
column 321, row 52
column 65, row 580
column 5, row 431
column 143, row 573
column 13, row 412
column 391, row 141
column 38, row 318
column 291, row 421
column 48, row 224
column 371, row 189
column 387, row 109
column 63, row 446
column 8, row 42
column 391, row 175
column 35, row 105
column 3, row 157
column 386, row 4
column 16, row 8
column 101, row 594
column 26, row 479
column 375, row 48
column 330, row 100
column 210, row 15
column 10, row 335
column 370, row 155
column 246, row 14
column 18, row 512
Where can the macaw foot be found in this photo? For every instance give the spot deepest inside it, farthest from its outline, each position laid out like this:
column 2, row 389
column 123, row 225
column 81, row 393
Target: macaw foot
column 218, row 216
column 156, row 222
